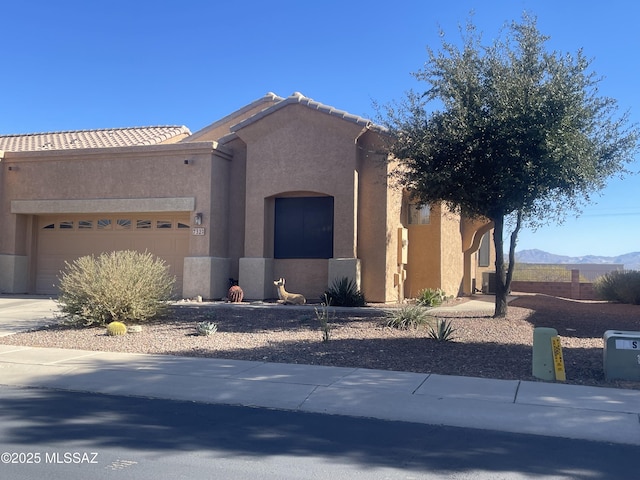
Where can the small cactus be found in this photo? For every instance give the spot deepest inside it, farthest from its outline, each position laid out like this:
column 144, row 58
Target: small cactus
column 235, row 294
column 116, row 328
column 206, row 328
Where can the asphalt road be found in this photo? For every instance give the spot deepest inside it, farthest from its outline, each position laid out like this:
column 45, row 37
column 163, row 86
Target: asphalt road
column 49, row 434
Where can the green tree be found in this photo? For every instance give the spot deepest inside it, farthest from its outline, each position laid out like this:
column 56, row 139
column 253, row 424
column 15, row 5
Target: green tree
column 508, row 132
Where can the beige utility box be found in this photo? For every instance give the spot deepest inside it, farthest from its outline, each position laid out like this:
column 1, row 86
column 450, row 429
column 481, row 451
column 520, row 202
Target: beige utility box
column 621, row 355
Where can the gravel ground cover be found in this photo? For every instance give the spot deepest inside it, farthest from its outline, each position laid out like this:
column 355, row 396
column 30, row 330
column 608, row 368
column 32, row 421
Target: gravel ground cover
column 482, row 346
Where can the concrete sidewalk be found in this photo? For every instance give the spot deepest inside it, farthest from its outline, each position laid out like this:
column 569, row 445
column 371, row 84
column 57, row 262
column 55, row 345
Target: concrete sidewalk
column 590, row 413
column 552, row 409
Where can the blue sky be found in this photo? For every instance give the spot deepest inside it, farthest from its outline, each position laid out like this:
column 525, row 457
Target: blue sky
column 71, row 65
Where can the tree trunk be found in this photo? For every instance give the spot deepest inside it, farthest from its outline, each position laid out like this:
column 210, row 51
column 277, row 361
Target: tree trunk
column 503, row 278
column 512, row 252
column 501, row 287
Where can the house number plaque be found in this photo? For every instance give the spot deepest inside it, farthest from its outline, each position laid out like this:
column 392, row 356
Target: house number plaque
column 198, row 231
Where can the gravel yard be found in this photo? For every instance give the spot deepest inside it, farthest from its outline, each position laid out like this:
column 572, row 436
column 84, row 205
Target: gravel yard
column 482, row 346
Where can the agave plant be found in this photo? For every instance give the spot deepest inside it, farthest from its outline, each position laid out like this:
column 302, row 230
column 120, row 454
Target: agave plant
column 206, row 328
column 407, row 317
column 442, row 332
column 344, row 292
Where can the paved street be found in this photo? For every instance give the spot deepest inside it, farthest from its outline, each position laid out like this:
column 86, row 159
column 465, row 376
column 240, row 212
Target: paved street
column 139, row 438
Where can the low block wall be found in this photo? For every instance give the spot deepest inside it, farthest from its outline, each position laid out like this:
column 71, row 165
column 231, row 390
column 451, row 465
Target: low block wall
column 575, row 289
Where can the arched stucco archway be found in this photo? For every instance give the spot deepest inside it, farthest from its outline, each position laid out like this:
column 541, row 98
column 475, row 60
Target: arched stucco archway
column 472, row 233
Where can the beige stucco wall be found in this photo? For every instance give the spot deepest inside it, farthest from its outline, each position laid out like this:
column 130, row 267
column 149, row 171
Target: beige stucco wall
column 443, row 253
column 297, row 151
column 206, row 277
column 132, row 179
column 424, row 269
column 14, row 273
column 379, row 208
column 307, row 276
column 451, row 255
column 119, row 173
column 236, row 204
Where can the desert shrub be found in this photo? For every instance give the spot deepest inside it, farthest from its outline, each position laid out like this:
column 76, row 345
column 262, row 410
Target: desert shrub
column 409, row 316
column 621, row 286
column 431, row 297
column 442, row 331
column 323, row 316
column 118, row 286
column 344, row 293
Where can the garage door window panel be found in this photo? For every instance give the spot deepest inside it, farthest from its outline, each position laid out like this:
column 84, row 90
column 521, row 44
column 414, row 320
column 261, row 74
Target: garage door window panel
column 104, row 224
column 123, row 224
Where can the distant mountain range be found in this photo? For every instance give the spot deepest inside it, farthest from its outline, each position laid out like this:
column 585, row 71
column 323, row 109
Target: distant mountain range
column 631, row 261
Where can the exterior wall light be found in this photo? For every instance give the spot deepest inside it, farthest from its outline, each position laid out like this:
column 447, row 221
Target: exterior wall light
column 187, row 162
column 198, row 219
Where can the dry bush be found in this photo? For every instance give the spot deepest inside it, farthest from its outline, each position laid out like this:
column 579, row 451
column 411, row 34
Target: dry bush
column 117, row 286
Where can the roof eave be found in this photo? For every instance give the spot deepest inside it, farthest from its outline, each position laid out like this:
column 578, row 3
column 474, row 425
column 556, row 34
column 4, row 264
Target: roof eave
column 298, row 98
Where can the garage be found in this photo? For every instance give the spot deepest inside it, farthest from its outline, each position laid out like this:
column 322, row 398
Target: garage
column 64, row 238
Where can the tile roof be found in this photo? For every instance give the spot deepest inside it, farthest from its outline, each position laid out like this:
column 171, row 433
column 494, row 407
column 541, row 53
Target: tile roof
column 135, row 136
column 269, row 99
column 297, row 97
column 105, row 138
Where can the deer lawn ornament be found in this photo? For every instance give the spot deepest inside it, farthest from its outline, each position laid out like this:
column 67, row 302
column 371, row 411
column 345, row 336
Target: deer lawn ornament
column 287, row 298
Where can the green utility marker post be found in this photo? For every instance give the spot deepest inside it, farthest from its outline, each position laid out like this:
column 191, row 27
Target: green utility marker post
column 543, row 360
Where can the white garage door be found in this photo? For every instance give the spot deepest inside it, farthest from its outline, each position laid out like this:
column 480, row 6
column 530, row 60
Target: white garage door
column 64, row 238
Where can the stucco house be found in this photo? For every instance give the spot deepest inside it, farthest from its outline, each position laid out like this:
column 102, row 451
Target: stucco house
column 283, row 187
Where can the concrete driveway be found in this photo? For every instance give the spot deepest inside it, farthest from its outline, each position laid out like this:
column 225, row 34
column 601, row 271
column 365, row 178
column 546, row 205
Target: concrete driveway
column 23, row 312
